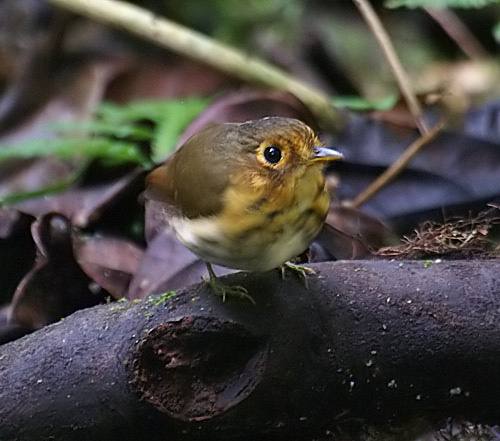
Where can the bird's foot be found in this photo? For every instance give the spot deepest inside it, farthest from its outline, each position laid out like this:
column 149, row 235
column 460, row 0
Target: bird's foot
column 300, row 270
column 221, row 289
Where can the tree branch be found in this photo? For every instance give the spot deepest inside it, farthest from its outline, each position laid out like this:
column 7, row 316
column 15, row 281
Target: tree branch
column 195, row 45
column 371, row 341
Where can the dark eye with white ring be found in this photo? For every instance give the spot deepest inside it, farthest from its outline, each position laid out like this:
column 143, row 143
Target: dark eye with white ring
column 272, row 154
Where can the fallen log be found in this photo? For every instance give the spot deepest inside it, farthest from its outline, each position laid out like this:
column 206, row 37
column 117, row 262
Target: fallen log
column 374, row 341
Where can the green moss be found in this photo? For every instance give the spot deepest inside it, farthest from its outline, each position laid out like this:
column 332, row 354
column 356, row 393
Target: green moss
column 156, row 301
column 160, row 299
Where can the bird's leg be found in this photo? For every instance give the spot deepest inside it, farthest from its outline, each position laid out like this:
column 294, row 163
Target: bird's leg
column 300, row 270
column 222, row 290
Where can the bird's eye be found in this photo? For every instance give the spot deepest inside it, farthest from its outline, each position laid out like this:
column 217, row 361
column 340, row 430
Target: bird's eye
column 272, row 154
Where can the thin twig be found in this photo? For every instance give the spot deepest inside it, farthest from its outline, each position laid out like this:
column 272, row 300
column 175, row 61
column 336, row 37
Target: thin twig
column 197, row 46
column 458, row 32
column 397, row 167
column 379, row 32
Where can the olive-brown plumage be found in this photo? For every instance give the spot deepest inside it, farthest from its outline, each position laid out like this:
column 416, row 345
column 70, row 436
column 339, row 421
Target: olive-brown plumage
column 247, row 195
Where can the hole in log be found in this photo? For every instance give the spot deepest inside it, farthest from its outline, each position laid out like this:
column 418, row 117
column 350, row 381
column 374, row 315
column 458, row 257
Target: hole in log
column 196, row 368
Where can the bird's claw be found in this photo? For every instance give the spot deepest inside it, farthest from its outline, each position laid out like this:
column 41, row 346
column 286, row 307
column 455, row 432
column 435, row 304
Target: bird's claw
column 222, row 290
column 300, row 270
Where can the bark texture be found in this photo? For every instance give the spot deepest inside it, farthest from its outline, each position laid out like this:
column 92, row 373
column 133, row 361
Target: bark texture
column 375, row 341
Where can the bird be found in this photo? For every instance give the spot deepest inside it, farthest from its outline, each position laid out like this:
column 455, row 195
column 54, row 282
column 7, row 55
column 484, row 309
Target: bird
column 245, row 195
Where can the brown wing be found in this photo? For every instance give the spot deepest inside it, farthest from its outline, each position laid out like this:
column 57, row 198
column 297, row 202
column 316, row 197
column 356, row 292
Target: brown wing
column 194, row 177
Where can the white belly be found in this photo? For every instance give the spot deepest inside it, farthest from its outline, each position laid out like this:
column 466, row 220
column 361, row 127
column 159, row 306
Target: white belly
column 259, row 250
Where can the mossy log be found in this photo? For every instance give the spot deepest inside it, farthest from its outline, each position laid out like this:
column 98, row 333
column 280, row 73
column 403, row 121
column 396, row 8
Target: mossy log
column 374, row 341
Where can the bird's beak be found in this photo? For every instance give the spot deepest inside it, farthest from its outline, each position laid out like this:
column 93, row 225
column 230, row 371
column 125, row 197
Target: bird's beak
column 325, row 154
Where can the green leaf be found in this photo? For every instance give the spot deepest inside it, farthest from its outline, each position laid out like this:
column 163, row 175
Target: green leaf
column 176, row 116
column 122, row 129
column 134, row 111
column 439, row 3
column 115, row 152
column 496, row 32
column 364, row 104
column 170, row 118
column 114, row 137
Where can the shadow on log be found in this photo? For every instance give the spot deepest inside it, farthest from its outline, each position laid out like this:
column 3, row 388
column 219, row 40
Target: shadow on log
column 373, row 341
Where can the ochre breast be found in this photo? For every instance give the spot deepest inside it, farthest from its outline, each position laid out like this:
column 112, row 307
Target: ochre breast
column 257, row 231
